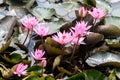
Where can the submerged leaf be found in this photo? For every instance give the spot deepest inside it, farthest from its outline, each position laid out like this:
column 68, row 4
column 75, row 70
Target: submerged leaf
column 93, row 38
column 109, row 31
column 103, row 59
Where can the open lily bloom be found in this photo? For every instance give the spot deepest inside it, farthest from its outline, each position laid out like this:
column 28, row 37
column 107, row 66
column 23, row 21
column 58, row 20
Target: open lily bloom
column 63, row 38
column 29, row 22
column 38, row 54
column 20, row 69
column 97, row 13
column 81, row 28
column 41, row 30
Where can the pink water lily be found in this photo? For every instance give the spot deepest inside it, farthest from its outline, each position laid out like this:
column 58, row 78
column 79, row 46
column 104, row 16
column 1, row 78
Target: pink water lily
column 41, row 30
column 81, row 28
column 63, row 38
column 82, row 12
column 43, row 63
column 20, row 69
column 38, row 54
column 77, row 40
column 29, row 22
column 97, row 13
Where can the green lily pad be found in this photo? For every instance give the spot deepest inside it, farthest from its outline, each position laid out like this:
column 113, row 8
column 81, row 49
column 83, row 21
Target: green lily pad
column 103, row 59
column 14, row 58
column 112, row 20
column 104, row 5
column 54, row 26
column 94, row 75
column 35, row 70
column 66, row 10
column 43, row 13
column 89, row 75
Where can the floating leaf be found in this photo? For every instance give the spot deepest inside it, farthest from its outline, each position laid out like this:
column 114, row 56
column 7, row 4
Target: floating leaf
column 94, row 75
column 14, row 58
column 66, row 10
column 103, row 59
column 112, row 20
column 109, row 31
column 79, row 76
column 104, row 5
column 43, row 13
column 54, row 26
column 32, row 78
column 35, row 70
column 89, row 75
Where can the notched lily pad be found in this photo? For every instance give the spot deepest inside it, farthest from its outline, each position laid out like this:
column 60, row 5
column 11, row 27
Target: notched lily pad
column 103, row 59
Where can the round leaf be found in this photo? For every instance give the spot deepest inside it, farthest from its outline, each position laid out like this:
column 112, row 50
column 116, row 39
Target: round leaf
column 103, row 59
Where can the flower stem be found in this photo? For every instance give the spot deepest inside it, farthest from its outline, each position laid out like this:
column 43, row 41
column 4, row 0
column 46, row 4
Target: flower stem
column 26, row 37
column 74, row 48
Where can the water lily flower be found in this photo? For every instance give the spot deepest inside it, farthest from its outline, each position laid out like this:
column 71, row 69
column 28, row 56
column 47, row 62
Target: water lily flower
column 20, row 69
column 82, row 12
column 38, row 54
column 81, row 28
column 97, row 13
column 76, row 41
column 63, row 38
column 43, row 63
column 41, row 30
column 29, row 22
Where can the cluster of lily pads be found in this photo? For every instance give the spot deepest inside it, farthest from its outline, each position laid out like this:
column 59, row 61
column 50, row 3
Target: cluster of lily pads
column 59, row 41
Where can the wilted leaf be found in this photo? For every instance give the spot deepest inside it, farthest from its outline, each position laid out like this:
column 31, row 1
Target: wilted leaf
column 51, row 50
column 112, row 75
column 56, row 61
column 109, row 31
column 43, row 13
column 62, row 70
column 5, row 46
column 113, row 43
column 90, row 2
column 103, row 59
column 14, row 58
